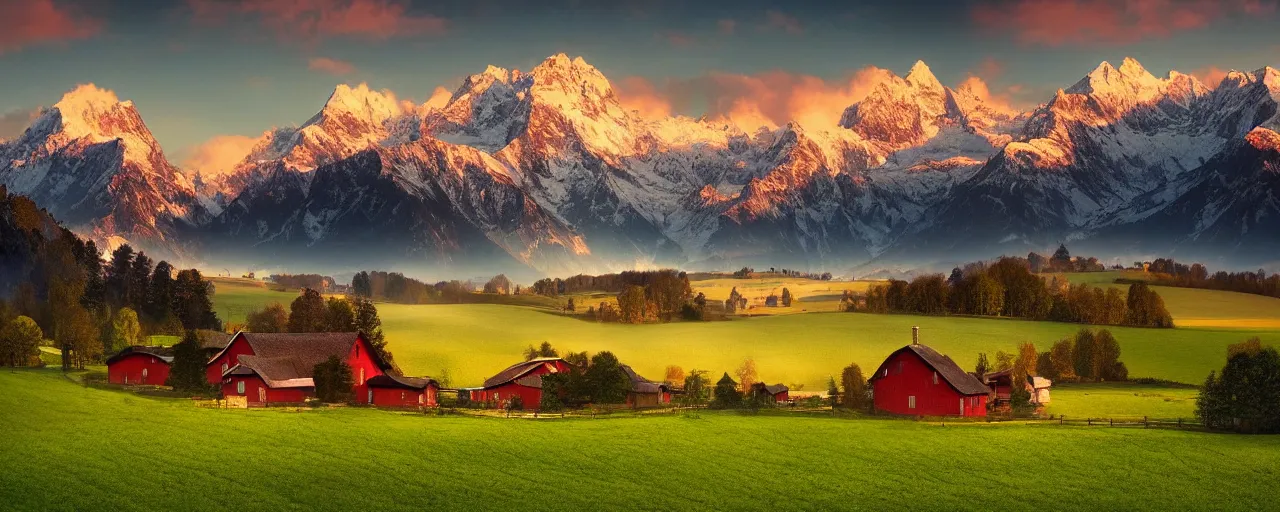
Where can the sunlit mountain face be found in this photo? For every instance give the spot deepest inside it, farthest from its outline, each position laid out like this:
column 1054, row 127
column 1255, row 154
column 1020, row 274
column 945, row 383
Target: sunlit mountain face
column 563, row 169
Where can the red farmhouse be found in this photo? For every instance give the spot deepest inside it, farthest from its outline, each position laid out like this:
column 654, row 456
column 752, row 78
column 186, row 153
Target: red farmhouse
column 389, row 390
column 521, row 379
column 277, row 367
column 778, row 392
column 917, row 380
column 140, row 365
column 644, row 392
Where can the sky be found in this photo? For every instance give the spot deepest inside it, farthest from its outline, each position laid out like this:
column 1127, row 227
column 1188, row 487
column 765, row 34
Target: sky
column 208, row 76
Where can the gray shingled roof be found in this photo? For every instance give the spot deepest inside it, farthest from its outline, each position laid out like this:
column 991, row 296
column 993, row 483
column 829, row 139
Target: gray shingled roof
column 397, row 381
column 951, row 372
column 288, row 359
column 515, row 371
column 164, row 353
column 640, row 384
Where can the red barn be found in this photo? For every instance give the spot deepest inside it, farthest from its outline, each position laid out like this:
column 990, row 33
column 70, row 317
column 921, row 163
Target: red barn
column 917, row 380
column 778, row 392
column 140, row 365
column 521, row 379
column 277, row 367
column 390, row 390
column 644, row 392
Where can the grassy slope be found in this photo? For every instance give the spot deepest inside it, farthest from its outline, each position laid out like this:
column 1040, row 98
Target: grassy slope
column 1121, row 400
column 69, row 447
column 474, row 341
column 1200, row 308
column 234, row 298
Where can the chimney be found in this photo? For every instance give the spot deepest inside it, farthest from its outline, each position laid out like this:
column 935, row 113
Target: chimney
column 915, row 335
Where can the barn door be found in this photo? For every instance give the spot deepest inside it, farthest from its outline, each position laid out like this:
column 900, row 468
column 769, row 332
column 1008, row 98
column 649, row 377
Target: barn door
column 262, row 394
column 370, row 392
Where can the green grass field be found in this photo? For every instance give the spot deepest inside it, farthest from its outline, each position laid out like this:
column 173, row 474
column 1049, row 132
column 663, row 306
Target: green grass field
column 233, row 298
column 67, row 447
column 474, row 341
column 1121, row 400
column 1192, row 307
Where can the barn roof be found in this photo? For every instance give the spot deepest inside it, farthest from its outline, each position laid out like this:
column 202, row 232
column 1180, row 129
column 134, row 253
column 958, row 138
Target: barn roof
column 957, row 378
column 772, row 389
column 288, row 359
column 514, row 372
column 640, row 384
column 395, row 381
column 164, row 353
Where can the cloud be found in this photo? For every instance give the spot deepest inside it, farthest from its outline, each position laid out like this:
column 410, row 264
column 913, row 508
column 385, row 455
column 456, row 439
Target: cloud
column 14, row 122
column 313, row 20
column 1002, row 102
column 439, row 98
column 1211, row 76
column 726, row 26
column 768, row 99
column 30, row 22
column 778, row 20
column 639, row 94
column 989, row 69
column 1084, row 22
column 331, row 66
column 217, row 156
column 678, row 39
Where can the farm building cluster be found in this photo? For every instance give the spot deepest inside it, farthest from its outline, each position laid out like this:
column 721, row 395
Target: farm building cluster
column 257, row 369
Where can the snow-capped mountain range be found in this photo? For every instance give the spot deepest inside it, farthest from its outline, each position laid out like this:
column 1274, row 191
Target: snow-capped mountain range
column 546, row 171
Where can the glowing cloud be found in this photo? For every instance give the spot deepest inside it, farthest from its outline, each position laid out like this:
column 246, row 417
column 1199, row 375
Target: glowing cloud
column 439, row 98
column 1211, row 76
column 312, row 20
column 331, row 66
column 1063, row 22
column 30, row 22
column 638, row 94
column 217, row 156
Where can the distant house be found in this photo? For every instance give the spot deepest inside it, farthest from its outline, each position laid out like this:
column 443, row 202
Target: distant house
column 917, row 380
column 277, row 367
column 140, row 365
column 1001, row 386
column 777, row 392
column 644, row 392
column 390, row 390
column 522, row 380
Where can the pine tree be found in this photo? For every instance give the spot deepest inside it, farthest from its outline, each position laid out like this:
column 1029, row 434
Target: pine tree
column 187, row 373
column 726, row 394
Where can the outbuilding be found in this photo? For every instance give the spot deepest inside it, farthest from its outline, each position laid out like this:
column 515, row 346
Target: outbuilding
column 917, row 380
column 389, row 390
column 277, row 367
column 138, row 365
column 523, row 380
column 644, row 392
column 776, row 392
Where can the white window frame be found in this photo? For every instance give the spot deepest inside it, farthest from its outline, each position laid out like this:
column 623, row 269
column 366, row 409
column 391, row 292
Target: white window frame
column 240, row 387
column 144, row 374
column 911, row 402
column 961, row 406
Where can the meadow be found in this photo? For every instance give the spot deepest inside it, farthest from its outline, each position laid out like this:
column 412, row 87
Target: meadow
column 68, row 447
column 475, row 341
column 1198, row 308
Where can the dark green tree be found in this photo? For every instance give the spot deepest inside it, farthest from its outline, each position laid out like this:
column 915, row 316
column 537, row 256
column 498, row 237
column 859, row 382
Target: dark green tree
column 606, row 381
column 726, row 394
column 339, row 315
column 333, row 380
column 307, row 312
column 856, row 394
column 1245, row 397
column 192, row 301
column 368, row 323
column 187, row 373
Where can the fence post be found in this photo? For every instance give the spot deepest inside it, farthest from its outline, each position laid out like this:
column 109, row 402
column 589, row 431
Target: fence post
column 1144, row 422
column 1113, row 421
column 1179, row 423
column 1090, row 422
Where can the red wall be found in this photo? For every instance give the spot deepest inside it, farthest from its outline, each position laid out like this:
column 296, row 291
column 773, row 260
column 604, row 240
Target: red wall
column 359, row 358
column 398, row 397
column 231, row 357
column 128, row 370
column 252, row 384
column 531, row 398
column 915, row 378
column 782, row 397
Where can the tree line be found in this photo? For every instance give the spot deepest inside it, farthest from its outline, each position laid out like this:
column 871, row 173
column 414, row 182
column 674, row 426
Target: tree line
column 651, row 296
column 1008, row 288
column 1062, row 261
column 289, row 282
column 396, row 287
column 311, row 312
column 1196, row 275
column 609, row 283
column 1245, row 395
column 750, row 273
column 60, row 292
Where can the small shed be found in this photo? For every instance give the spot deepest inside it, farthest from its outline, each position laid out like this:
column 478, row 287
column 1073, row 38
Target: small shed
column 389, row 390
column 777, row 392
column 644, row 392
column 140, row 365
column 523, row 380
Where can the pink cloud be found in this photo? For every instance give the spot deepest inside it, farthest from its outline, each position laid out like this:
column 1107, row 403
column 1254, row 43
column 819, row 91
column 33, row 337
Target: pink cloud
column 727, row 26
column 778, row 20
column 312, row 20
column 217, row 156
column 439, row 98
column 1211, row 76
column 30, row 22
column 330, row 66
column 1066, row 22
column 768, row 99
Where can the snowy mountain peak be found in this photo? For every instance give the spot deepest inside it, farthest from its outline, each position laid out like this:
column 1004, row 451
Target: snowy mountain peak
column 1131, row 67
column 362, row 103
column 922, row 77
column 575, row 76
column 90, row 111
